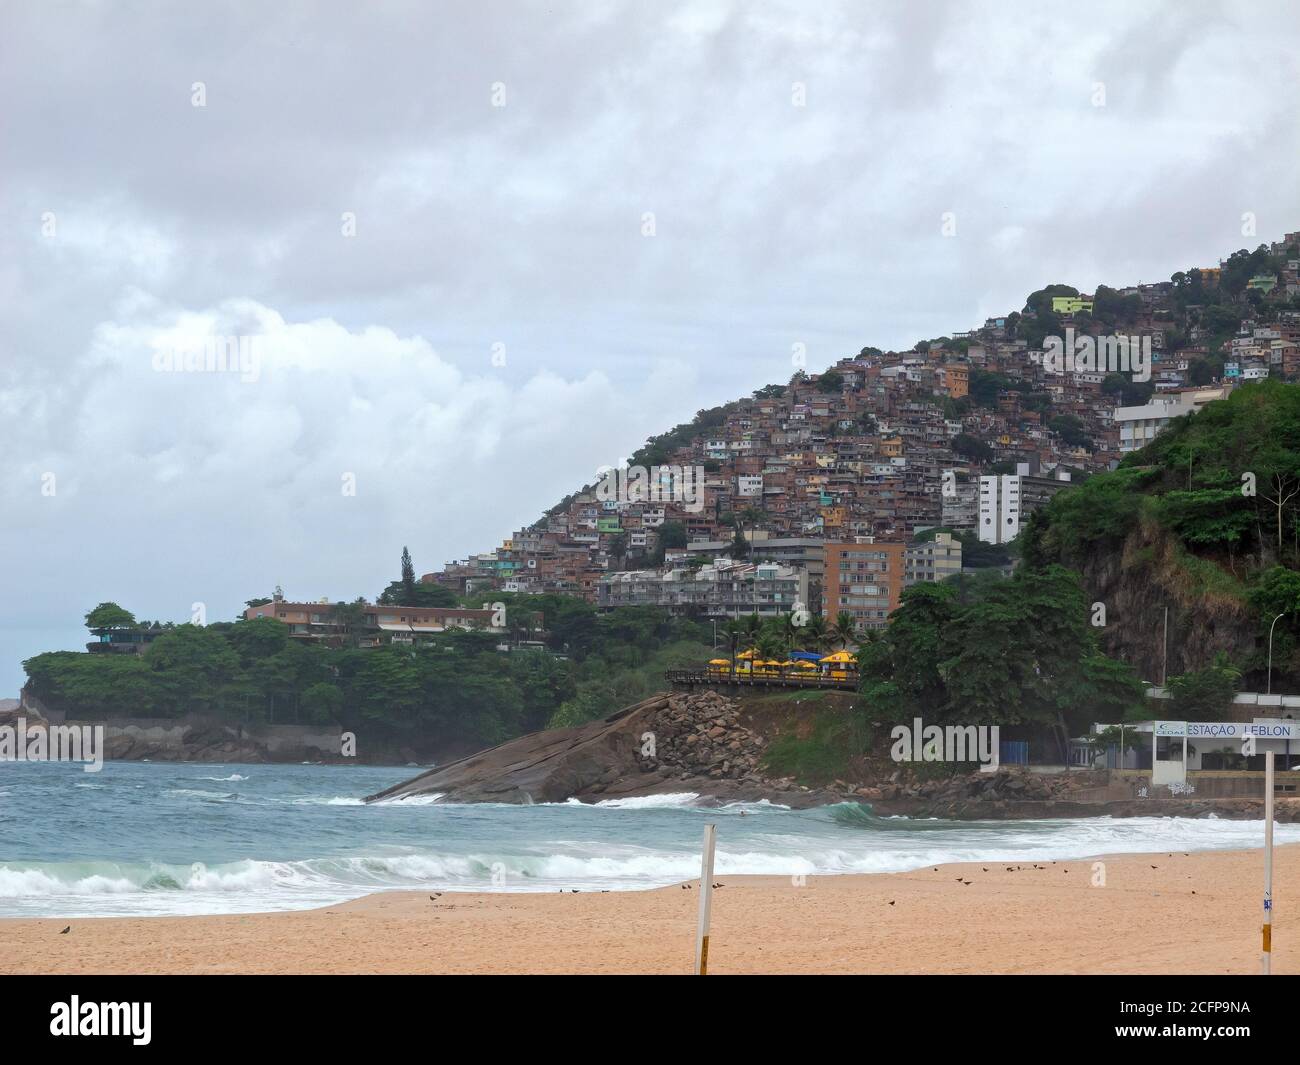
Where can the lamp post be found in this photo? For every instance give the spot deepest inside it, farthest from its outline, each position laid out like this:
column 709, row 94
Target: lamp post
column 1164, row 661
column 1270, row 652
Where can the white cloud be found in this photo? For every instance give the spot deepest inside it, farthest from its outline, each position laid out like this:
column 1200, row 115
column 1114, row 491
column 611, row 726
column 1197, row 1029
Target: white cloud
column 521, row 225
column 175, row 487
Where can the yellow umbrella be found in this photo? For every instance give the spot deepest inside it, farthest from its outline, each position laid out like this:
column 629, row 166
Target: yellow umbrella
column 745, row 655
column 719, row 661
column 805, row 664
column 840, row 657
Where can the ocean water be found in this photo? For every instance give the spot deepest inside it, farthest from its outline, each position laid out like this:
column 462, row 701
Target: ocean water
column 167, row 838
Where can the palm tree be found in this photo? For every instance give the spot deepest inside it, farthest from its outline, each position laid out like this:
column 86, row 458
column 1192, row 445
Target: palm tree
column 786, row 626
column 811, row 636
column 846, row 629
column 768, row 647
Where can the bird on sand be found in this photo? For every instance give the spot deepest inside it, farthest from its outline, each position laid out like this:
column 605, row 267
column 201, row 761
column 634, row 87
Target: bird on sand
column 66, row 930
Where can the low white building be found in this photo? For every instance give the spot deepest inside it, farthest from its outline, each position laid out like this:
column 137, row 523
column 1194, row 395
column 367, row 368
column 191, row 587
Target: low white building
column 1138, row 426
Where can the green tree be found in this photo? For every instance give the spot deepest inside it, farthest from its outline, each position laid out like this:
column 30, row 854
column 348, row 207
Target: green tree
column 254, row 638
column 350, row 620
column 408, row 576
column 900, row 668
column 972, row 447
column 109, row 616
column 387, row 687
column 323, row 704
column 1204, row 694
column 1019, row 651
column 812, row 635
column 845, row 630
column 192, row 668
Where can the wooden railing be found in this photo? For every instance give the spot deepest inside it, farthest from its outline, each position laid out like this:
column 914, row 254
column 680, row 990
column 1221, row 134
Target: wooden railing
column 697, row 678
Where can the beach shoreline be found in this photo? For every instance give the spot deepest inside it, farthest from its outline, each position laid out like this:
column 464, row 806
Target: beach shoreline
column 1150, row 913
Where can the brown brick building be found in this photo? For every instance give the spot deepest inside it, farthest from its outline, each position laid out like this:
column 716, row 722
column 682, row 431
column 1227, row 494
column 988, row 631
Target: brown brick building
column 865, row 579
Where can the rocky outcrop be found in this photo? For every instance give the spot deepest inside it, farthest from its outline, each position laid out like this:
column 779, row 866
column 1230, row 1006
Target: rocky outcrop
column 207, row 743
column 1137, row 579
column 196, row 739
column 13, row 713
column 667, row 743
column 699, row 743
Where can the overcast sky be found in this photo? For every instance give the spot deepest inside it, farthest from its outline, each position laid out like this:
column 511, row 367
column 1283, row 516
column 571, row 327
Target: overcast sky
column 483, row 248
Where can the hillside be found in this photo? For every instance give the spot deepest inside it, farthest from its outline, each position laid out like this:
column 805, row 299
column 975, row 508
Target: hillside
column 884, row 443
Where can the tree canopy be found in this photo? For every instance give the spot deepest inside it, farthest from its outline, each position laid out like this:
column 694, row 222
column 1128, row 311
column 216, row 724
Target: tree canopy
column 109, row 616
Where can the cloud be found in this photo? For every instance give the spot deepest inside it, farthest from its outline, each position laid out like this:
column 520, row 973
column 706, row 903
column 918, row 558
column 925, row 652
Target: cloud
column 178, row 478
column 797, row 157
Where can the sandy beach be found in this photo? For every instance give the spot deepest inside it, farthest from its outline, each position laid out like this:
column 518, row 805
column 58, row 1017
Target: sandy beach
column 1157, row 913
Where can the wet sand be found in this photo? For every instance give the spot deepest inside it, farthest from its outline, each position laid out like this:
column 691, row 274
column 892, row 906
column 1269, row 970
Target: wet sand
column 1197, row 913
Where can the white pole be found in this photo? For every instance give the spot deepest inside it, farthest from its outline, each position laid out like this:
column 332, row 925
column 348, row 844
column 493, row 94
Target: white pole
column 706, row 901
column 1268, row 862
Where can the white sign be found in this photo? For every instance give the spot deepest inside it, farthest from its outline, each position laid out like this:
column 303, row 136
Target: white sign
column 1228, row 730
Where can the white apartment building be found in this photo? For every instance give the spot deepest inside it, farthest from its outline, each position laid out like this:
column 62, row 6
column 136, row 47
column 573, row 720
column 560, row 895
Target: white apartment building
column 1138, row 426
column 999, row 503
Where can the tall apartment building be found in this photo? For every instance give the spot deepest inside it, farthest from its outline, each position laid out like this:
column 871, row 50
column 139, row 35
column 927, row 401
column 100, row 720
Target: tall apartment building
column 865, row 579
column 999, row 514
column 1005, row 501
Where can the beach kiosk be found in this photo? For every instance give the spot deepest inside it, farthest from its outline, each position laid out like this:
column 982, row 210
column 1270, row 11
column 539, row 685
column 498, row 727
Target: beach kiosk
column 841, row 665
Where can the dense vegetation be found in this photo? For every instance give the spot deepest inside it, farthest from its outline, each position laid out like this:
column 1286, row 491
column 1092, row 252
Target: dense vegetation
column 996, row 651
column 455, row 689
column 1221, row 489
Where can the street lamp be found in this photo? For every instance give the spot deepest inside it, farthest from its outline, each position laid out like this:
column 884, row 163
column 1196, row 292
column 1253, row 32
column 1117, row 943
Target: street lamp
column 1270, row 652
